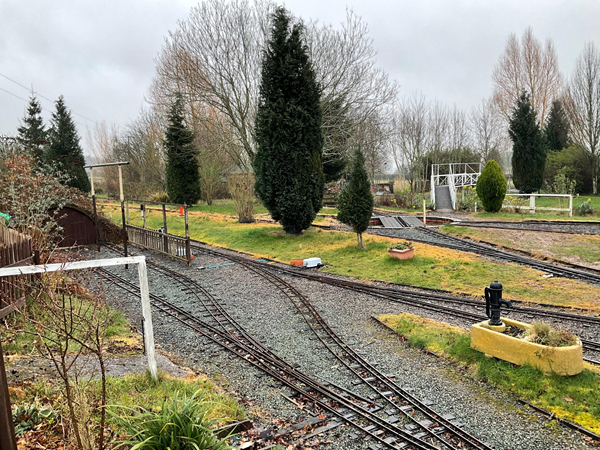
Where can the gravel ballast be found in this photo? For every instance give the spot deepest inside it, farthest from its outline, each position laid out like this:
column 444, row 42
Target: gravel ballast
column 270, row 316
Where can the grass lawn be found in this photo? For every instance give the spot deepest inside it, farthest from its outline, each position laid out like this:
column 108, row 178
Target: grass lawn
column 579, row 249
column 432, row 267
column 221, row 206
column 575, row 398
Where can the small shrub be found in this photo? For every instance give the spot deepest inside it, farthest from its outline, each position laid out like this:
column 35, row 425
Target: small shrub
column 468, row 202
column 542, row 333
column 27, row 417
column 159, row 197
column 491, row 187
column 406, row 245
column 516, row 203
column 180, row 423
column 585, row 209
column 563, row 183
column 241, row 188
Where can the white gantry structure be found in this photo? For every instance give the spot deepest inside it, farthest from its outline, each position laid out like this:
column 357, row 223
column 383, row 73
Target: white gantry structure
column 447, row 178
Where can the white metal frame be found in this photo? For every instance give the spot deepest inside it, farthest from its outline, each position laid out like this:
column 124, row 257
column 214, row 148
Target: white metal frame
column 459, row 175
column 90, row 264
column 532, row 206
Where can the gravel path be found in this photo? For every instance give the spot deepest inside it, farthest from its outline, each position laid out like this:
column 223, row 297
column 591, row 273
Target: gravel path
column 272, row 318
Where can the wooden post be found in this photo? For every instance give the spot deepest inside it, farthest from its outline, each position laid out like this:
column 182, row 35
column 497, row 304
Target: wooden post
column 144, row 213
column 123, row 213
column 424, row 213
column 95, row 210
column 570, row 205
column 165, row 237
column 8, row 440
column 188, row 249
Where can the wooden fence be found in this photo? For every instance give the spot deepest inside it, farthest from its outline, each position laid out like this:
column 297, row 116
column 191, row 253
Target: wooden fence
column 175, row 246
column 15, row 250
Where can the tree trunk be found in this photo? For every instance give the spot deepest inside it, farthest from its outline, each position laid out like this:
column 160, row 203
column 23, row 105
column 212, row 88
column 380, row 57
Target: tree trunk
column 359, row 237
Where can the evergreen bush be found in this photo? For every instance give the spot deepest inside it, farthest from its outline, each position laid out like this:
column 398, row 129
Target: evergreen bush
column 491, row 187
column 288, row 163
column 183, row 179
column 355, row 202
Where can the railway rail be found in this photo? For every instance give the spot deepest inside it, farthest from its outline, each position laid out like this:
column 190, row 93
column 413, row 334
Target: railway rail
column 426, row 430
column 426, row 300
column 566, row 270
column 545, row 226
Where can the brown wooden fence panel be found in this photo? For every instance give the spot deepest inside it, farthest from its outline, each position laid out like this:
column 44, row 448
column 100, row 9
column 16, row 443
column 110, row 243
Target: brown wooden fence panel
column 155, row 240
column 15, row 251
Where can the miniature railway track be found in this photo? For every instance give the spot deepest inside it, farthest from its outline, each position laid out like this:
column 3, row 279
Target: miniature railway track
column 426, row 300
column 428, row 430
column 562, row 226
column 566, row 270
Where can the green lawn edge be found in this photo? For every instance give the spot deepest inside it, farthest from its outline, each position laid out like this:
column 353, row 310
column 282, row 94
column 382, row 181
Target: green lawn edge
column 575, row 398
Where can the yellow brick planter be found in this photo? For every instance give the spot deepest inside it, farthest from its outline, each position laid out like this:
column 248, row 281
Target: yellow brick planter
column 560, row 360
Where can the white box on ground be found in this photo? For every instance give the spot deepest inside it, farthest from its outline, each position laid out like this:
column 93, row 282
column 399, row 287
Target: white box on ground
column 311, row 262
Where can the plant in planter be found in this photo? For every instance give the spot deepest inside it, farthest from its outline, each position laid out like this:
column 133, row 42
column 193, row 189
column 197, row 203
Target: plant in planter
column 402, row 250
column 550, row 350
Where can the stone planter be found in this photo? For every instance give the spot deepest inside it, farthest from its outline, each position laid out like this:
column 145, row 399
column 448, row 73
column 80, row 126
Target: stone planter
column 492, row 342
column 401, row 254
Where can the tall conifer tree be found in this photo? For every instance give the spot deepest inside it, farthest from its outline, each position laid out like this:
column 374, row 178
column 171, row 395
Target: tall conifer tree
column 558, row 127
column 288, row 161
column 32, row 133
column 64, row 149
column 183, row 179
column 529, row 152
column 355, row 202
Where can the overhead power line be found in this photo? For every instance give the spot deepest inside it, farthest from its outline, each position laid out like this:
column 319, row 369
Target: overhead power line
column 45, row 109
column 40, row 95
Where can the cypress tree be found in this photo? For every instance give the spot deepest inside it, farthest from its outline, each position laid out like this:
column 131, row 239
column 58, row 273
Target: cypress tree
column 288, row 162
column 529, row 152
column 355, row 202
column 32, row 133
column 491, row 187
column 64, row 149
column 183, row 179
column 558, row 127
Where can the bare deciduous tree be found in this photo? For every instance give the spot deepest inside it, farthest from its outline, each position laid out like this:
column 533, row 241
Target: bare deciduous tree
column 487, row 130
column 214, row 59
column 527, row 66
column 411, row 136
column 583, row 106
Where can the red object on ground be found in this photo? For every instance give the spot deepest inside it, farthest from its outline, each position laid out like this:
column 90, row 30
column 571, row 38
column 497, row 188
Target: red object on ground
column 181, row 211
column 297, row 262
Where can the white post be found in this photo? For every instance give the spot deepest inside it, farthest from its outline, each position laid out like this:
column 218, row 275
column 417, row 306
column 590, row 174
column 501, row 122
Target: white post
column 424, row 214
column 92, row 180
column 147, row 313
column 120, row 184
column 532, row 203
column 89, row 264
column 570, row 205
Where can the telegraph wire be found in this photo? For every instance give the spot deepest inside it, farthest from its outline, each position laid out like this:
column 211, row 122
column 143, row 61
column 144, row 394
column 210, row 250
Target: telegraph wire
column 39, row 95
column 45, row 109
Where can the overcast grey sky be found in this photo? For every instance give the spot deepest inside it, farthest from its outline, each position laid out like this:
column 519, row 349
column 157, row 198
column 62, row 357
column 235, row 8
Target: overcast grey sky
column 99, row 54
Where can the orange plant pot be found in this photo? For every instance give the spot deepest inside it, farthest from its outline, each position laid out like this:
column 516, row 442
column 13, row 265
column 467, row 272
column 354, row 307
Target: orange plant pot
column 401, row 254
